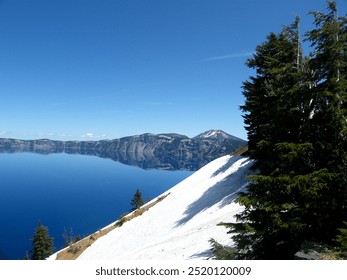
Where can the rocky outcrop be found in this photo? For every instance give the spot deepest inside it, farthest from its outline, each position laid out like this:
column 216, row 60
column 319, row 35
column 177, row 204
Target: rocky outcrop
column 148, row 151
column 311, row 251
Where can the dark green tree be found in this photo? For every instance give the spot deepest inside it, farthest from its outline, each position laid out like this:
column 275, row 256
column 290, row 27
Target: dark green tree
column 221, row 252
column 296, row 123
column 42, row 243
column 329, row 116
column 342, row 240
column 275, row 108
column 137, row 200
column 26, row 256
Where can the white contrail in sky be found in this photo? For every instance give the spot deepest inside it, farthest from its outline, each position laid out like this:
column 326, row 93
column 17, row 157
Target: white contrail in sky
column 229, row 56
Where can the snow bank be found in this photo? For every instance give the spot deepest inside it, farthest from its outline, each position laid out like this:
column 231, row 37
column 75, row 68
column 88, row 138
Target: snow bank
column 179, row 227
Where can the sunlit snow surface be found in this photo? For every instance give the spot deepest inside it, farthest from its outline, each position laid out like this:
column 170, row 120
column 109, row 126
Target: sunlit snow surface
column 180, row 226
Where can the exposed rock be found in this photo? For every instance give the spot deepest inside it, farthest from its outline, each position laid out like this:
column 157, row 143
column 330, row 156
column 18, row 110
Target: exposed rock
column 311, row 251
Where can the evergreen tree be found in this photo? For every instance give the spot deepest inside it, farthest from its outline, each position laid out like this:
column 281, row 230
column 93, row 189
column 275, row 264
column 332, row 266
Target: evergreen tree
column 296, row 122
column 342, row 240
column 137, row 200
column 275, row 104
column 26, row 256
column 42, row 243
column 275, row 107
column 221, row 252
column 329, row 116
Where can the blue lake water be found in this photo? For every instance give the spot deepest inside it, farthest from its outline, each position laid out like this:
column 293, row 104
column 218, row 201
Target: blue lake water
column 84, row 193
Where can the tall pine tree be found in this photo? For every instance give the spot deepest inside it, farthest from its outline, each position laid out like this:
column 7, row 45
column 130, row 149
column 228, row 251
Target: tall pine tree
column 275, row 107
column 42, row 243
column 296, row 123
column 328, row 119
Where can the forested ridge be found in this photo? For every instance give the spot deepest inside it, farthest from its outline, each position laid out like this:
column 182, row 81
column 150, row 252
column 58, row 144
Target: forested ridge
column 295, row 116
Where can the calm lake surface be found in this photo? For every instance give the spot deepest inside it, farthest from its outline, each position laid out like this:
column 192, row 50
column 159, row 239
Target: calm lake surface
column 84, row 193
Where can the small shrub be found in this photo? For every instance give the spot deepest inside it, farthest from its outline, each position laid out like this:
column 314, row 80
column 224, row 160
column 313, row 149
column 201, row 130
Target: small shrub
column 77, row 238
column 92, row 237
column 222, row 252
column 121, row 219
column 342, row 241
column 74, row 249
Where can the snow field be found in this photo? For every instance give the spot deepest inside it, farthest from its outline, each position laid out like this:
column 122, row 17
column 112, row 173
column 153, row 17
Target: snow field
column 180, row 226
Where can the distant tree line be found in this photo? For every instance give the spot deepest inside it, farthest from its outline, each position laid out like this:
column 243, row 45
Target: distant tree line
column 296, row 120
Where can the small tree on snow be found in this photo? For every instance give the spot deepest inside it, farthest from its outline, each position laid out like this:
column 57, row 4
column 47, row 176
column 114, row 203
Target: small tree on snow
column 137, row 200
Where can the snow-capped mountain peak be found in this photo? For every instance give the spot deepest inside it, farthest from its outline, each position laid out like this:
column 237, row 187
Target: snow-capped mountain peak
column 215, row 134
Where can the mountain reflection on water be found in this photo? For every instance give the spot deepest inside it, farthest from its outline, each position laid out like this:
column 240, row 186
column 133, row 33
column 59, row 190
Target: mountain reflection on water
column 147, row 151
column 142, row 160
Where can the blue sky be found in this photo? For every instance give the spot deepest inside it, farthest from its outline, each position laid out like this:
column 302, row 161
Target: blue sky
column 103, row 69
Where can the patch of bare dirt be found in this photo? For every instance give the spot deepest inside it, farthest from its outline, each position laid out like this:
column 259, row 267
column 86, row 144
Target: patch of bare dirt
column 73, row 251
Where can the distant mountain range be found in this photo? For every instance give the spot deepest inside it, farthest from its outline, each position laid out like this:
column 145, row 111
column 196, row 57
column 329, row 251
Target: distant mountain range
column 149, row 151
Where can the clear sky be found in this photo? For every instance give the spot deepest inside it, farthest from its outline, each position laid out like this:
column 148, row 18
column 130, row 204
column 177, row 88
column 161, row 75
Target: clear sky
column 103, row 69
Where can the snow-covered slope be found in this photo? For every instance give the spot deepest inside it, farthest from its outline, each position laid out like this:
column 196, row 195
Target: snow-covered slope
column 180, row 226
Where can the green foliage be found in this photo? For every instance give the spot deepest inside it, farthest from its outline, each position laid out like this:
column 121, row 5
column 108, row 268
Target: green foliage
column 26, row 256
column 295, row 116
column 222, row 252
column 137, row 200
column 121, row 219
column 42, row 243
column 74, row 249
column 342, row 240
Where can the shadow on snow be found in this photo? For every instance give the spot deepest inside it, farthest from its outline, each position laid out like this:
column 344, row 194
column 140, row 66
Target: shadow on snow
column 224, row 192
